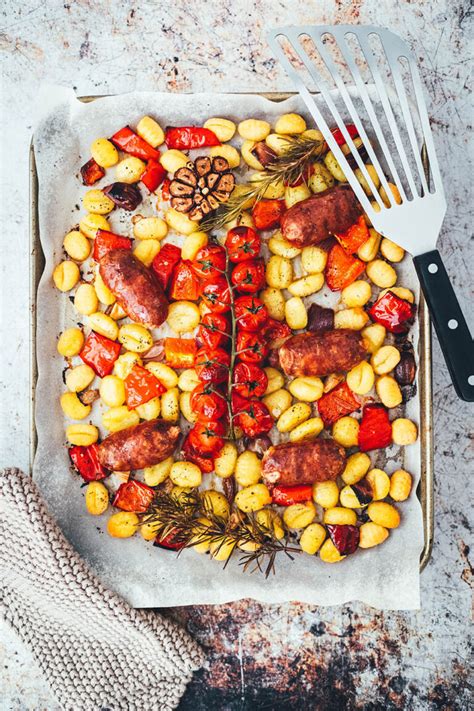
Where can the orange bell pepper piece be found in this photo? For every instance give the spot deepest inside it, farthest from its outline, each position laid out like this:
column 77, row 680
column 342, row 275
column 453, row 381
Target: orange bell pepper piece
column 342, row 268
column 354, row 237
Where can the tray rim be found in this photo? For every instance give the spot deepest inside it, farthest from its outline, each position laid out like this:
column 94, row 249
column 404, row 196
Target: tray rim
column 425, row 489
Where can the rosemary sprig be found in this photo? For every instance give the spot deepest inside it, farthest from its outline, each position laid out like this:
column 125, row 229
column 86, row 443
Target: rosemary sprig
column 289, row 168
column 179, row 516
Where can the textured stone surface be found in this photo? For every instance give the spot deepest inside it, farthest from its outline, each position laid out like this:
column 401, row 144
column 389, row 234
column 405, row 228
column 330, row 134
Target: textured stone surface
column 259, row 656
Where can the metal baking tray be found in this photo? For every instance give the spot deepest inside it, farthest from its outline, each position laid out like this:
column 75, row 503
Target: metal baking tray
column 425, row 490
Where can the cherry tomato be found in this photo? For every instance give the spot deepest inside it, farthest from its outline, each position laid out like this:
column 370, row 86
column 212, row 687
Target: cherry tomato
column 250, row 312
column 212, row 366
column 207, row 438
column 212, row 331
column 207, row 403
column 250, row 347
column 242, row 243
column 205, row 463
column 238, row 402
column 216, row 295
column 249, row 380
column 209, row 262
column 255, row 419
column 249, row 277
column 274, row 331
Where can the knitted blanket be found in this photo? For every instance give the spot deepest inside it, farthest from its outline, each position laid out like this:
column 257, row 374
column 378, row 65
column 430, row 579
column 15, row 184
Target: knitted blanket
column 95, row 651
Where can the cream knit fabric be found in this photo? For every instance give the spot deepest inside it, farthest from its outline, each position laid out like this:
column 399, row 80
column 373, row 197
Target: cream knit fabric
column 95, row 651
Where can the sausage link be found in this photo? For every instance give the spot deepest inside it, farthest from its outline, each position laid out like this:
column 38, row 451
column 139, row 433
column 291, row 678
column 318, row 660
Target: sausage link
column 135, row 286
column 140, row 446
column 313, row 220
column 293, row 463
column 322, row 353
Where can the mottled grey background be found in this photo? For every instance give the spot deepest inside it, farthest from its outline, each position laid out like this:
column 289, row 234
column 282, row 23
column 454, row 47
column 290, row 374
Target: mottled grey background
column 282, row 656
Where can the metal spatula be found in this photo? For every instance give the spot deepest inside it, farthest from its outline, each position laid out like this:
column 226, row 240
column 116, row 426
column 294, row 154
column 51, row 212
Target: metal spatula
column 367, row 75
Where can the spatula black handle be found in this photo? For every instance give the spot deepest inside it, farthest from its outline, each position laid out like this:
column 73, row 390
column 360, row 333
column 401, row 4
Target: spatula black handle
column 451, row 327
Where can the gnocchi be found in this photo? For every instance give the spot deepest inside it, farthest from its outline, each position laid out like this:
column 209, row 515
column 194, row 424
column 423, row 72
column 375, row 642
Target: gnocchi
column 104, row 153
column 151, row 131
column 97, row 498
column 253, row 498
column 307, row 389
column 70, row 342
column 312, row 538
column 150, row 228
column 295, row 313
column 279, row 272
column 66, row 275
column 248, row 469
column 77, row 246
column 293, row 416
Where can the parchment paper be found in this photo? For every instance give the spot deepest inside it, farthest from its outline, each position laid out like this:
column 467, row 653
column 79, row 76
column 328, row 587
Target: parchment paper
column 385, row 577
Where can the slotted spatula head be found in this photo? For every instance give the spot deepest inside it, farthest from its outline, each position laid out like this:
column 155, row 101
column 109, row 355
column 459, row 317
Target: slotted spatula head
column 368, row 76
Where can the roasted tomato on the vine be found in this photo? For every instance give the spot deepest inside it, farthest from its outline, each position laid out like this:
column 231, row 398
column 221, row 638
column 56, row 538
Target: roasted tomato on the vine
column 205, row 463
column 250, row 312
column 249, row 380
column 255, row 419
column 216, row 295
column 242, row 243
column 207, row 438
column 209, row 262
column 249, row 277
column 213, row 330
column 212, row 366
column 207, row 404
column 250, row 347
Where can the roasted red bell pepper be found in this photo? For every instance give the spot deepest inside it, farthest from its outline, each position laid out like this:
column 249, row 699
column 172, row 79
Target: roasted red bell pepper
column 354, row 237
column 337, row 403
column 133, row 496
column 392, row 312
column 165, row 189
column 91, row 172
column 268, row 213
column 289, row 495
column 184, row 282
column 342, row 268
column 169, row 542
column 106, row 241
column 180, row 352
column 86, row 461
column 153, row 175
column 164, row 263
column 375, row 430
column 100, row 353
column 185, row 138
column 339, row 138
column 130, row 142
column 141, row 386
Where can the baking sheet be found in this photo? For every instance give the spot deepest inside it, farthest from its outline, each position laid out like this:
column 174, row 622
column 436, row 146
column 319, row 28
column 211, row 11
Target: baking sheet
column 385, row 577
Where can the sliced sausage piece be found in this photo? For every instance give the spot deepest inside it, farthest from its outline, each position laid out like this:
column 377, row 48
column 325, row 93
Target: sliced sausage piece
column 322, row 353
column 293, row 463
column 135, row 286
column 140, row 446
column 313, row 220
